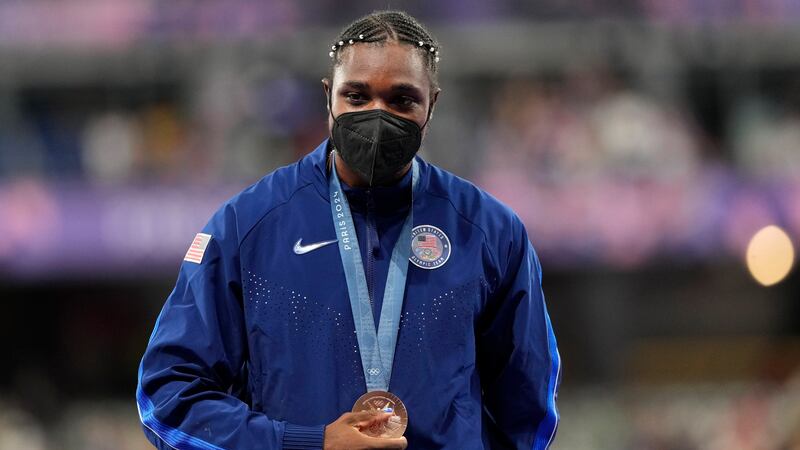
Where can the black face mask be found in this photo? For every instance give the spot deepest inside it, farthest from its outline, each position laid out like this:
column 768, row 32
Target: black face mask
column 376, row 144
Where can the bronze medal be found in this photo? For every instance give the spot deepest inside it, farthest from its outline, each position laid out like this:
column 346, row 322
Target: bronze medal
column 382, row 401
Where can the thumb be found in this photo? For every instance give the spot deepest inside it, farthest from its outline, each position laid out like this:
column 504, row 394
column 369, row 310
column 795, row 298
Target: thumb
column 391, row 443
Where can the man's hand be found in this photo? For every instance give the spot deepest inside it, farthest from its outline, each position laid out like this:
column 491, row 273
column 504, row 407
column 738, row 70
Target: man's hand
column 345, row 433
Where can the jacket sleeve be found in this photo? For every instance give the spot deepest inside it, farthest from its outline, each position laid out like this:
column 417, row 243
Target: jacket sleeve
column 519, row 364
column 196, row 354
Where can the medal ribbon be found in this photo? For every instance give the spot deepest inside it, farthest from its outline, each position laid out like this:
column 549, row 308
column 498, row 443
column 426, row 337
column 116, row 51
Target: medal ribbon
column 377, row 349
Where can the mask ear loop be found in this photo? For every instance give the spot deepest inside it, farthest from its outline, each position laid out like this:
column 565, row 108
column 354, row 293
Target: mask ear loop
column 330, row 113
column 328, row 97
column 428, row 119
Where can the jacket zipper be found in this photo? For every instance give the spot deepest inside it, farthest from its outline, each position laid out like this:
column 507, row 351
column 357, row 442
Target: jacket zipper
column 372, row 232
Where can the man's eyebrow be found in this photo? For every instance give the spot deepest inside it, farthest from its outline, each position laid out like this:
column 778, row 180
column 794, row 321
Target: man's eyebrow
column 356, row 84
column 405, row 87
column 363, row 86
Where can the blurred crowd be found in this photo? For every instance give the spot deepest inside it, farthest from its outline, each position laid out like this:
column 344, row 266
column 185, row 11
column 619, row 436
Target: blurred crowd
column 584, row 146
column 683, row 417
column 231, row 122
column 581, row 128
column 226, row 131
column 676, row 417
column 585, row 128
column 590, row 126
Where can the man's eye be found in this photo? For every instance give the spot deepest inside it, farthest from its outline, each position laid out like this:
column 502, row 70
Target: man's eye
column 354, row 97
column 406, row 102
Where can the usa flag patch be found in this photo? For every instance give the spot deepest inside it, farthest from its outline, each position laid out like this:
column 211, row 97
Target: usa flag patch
column 198, row 248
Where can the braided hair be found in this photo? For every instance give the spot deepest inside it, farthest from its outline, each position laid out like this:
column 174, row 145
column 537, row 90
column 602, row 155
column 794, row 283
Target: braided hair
column 383, row 26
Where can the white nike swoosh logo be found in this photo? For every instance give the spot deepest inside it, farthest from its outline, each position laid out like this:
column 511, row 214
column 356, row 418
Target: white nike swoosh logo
column 300, row 249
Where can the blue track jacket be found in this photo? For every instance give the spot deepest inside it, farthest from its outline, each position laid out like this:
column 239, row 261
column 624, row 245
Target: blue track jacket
column 255, row 348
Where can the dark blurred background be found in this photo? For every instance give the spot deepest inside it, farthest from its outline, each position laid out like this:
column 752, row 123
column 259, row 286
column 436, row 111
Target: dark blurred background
column 644, row 143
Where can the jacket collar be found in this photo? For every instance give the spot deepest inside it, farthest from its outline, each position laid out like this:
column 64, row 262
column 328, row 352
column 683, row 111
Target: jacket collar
column 386, row 200
column 313, row 168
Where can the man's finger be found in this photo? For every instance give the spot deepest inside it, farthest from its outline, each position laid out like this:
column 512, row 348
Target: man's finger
column 361, row 416
column 373, row 420
column 391, row 443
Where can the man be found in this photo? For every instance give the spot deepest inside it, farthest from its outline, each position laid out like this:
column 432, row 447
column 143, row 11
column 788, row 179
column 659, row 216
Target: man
column 360, row 275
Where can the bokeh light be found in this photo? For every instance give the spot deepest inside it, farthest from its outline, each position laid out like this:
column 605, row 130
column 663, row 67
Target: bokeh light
column 770, row 255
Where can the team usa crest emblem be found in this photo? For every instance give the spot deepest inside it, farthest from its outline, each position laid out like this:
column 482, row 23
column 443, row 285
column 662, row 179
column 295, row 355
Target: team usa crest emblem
column 430, row 247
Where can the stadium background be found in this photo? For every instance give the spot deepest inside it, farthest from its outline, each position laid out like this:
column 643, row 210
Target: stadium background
column 643, row 142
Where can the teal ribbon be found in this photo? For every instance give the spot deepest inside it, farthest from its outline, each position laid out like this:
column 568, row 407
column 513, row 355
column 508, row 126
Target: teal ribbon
column 377, row 349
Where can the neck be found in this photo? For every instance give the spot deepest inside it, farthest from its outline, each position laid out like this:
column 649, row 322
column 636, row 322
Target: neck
column 353, row 179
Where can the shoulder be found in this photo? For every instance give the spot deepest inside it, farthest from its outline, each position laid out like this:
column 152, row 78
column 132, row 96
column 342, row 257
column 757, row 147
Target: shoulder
column 504, row 236
column 236, row 217
column 472, row 203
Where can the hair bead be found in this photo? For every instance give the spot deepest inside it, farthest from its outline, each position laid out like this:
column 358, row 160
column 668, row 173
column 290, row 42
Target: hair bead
column 381, row 26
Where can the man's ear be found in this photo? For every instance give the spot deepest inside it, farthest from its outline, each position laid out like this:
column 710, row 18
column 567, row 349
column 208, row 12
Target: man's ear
column 326, row 87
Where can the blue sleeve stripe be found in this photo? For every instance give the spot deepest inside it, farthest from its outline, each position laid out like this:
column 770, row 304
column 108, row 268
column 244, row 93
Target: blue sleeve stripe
column 547, row 428
column 173, row 437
